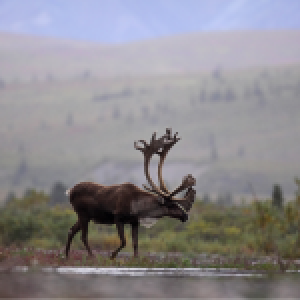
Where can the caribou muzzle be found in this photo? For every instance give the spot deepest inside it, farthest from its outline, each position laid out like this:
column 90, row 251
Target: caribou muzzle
column 184, row 218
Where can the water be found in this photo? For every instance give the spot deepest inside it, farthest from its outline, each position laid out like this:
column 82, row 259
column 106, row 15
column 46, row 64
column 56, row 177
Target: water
column 64, row 282
column 173, row 272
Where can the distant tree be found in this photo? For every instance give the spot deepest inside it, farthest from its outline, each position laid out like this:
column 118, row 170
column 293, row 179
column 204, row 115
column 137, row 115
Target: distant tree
column 21, row 171
column 2, row 84
column 145, row 111
column 154, row 119
column 116, row 113
column 297, row 206
column 193, row 101
column 49, row 77
column 164, row 108
column 225, row 199
column 126, row 92
column 297, row 193
column 21, row 148
column 130, row 118
column 34, row 78
column 69, row 119
column 217, row 73
column 258, row 92
column 100, row 118
column 202, row 95
column 213, row 148
column 229, row 95
column 87, row 74
column 241, row 151
column 206, row 198
column 44, row 125
column 264, row 74
column 247, row 92
column 58, row 193
column 10, row 196
column 277, row 196
column 100, row 98
column 28, row 192
column 215, row 96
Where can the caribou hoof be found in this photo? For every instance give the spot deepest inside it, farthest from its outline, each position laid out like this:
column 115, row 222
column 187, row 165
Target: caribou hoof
column 113, row 256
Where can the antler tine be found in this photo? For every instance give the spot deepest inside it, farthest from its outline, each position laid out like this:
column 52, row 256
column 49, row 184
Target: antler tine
column 188, row 180
column 149, row 150
column 140, row 148
column 163, row 154
column 149, row 189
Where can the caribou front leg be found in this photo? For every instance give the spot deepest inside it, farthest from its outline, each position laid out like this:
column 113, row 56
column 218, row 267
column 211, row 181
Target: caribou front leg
column 120, row 228
column 135, row 238
column 74, row 229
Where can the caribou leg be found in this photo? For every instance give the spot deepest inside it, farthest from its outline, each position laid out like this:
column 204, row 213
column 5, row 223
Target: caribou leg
column 84, row 234
column 134, row 234
column 120, row 228
column 73, row 230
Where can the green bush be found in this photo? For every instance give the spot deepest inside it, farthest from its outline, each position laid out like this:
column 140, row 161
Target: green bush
column 277, row 196
column 18, row 228
column 255, row 228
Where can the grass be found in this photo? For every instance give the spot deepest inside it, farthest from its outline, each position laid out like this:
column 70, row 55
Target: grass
column 249, row 236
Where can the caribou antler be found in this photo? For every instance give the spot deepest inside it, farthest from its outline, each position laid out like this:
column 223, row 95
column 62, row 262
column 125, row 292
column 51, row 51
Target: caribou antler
column 163, row 155
column 149, row 150
column 188, row 180
column 161, row 147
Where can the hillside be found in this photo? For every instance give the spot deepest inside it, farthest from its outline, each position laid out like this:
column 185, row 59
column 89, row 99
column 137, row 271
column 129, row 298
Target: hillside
column 70, row 110
column 238, row 128
column 32, row 59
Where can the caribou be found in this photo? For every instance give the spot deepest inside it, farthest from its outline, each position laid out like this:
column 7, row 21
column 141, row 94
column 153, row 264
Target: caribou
column 126, row 203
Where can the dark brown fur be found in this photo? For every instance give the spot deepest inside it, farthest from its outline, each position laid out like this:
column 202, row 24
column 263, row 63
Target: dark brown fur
column 119, row 204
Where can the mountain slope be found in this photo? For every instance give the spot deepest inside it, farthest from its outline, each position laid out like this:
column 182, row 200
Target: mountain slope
column 35, row 58
column 238, row 128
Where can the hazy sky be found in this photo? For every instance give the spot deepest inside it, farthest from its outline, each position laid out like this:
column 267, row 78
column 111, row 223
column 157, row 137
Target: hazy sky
column 125, row 20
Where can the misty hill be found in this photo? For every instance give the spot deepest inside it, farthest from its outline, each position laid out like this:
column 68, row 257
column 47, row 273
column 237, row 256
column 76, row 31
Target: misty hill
column 71, row 110
column 119, row 21
column 34, row 58
column 238, row 128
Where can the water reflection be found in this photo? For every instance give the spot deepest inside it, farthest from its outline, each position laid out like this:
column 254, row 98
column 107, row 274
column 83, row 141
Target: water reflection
column 173, row 272
column 59, row 284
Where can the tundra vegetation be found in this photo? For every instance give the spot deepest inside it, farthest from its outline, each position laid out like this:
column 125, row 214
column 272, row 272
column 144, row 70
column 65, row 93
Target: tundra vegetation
column 31, row 227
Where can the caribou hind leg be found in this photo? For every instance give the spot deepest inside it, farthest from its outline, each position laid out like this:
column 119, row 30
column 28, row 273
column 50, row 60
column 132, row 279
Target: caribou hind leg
column 73, row 230
column 120, row 228
column 134, row 234
column 84, row 223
